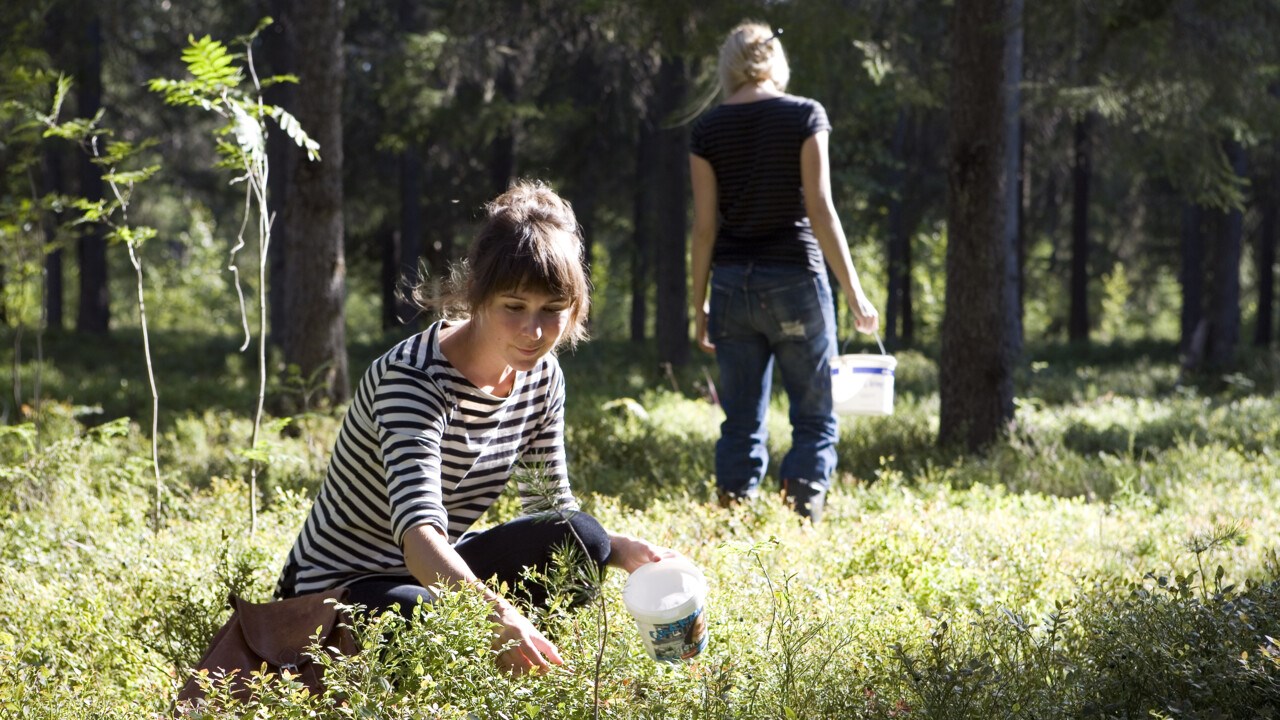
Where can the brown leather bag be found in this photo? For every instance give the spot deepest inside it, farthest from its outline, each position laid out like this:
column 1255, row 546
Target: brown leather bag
column 275, row 635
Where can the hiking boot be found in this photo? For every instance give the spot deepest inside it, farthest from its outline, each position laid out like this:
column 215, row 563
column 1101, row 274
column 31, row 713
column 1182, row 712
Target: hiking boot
column 726, row 499
column 806, row 497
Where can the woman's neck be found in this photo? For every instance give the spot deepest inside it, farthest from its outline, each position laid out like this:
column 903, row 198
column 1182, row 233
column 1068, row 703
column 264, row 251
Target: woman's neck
column 460, row 344
column 753, row 93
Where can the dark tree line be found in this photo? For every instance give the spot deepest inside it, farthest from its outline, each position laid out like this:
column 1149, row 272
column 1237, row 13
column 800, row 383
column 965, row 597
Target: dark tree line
column 1047, row 147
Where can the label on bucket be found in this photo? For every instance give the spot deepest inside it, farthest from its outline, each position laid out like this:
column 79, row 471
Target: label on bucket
column 677, row 640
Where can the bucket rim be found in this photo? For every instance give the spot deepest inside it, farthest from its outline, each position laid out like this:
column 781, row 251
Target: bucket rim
column 866, row 358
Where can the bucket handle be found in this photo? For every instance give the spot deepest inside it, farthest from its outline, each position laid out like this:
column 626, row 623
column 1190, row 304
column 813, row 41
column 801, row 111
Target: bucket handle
column 850, row 337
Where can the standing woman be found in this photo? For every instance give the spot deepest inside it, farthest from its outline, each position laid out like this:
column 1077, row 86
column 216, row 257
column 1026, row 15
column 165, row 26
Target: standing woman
column 763, row 224
column 444, row 420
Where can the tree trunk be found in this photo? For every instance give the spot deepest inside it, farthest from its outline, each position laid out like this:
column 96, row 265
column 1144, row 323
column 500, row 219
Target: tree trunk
column 279, row 43
column 93, row 316
column 407, row 258
column 54, row 311
column 1078, row 320
column 899, row 237
column 502, row 149
column 671, row 314
column 1012, row 186
column 642, row 237
column 1024, row 205
column 1224, row 292
column 314, row 334
column 977, row 359
column 54, row 181
column 403, row 245
column 1192, row 281
column 1266, row 264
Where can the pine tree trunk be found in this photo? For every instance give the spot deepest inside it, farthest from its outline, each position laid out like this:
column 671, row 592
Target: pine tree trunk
column 1078, row 319
column 899, row 237
column 408, row 257
column 642, row 237
column 279, row 43
column 502, row 149
column 1224, row 292
column 54, row 310
column 314, row 334
column 93, row 316
column 1266, row 264
column 671, row 314
column 54, row 181
column 1012, row 185
column 978, row 356
column 1192, row 281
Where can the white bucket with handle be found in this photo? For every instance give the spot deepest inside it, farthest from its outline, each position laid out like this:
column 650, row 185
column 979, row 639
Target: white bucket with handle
column 667, row 599
column 862, row 384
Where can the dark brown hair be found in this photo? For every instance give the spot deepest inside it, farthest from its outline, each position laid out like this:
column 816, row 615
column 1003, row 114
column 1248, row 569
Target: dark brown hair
column 530, row 241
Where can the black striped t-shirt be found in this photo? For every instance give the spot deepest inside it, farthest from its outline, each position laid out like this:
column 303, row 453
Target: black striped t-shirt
column 421, row 444
column 754, row 149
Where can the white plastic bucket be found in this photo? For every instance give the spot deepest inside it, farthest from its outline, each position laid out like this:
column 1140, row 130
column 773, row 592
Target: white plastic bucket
column 667, row 599
column 863, row 384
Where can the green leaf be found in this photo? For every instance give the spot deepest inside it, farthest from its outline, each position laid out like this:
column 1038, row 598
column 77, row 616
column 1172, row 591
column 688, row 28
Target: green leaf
column 248, row 132
column 133, row 237
column 131, row 177
column 90, row 211
column 294, row 130
column 210, row 64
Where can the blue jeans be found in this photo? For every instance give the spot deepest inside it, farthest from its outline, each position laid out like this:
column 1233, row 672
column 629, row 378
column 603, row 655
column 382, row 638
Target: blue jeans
column 761, row 314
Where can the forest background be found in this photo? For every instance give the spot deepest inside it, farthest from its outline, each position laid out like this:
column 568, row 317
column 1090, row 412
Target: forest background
column 1066, row 212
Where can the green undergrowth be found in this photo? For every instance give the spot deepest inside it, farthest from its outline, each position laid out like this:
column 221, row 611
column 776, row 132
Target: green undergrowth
column 1115, row 558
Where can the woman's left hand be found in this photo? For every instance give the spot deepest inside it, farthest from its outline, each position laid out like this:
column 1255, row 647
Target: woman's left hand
column 629, row 553
column 700, row 332
column 865, row 316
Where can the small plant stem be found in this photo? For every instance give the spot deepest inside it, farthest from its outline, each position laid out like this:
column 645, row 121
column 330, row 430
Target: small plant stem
column 259, row 181
column 257, row 169
column 136, row 261
column 151, row 378
column 603, row 626
column 146, row 350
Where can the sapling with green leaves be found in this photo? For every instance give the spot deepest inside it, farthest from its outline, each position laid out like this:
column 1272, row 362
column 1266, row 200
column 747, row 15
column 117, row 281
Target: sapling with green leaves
column 124, row 168
column 227, row 84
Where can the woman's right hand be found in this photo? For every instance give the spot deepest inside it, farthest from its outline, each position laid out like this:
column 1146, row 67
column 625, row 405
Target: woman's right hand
column 865, row 316
column 530, row 649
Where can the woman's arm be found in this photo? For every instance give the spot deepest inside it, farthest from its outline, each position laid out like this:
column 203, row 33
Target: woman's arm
column 815, row 174
column 434, row 562
column 702, row 178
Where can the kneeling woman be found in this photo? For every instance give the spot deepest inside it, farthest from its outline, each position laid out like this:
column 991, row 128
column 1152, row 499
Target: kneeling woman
column 445, row 419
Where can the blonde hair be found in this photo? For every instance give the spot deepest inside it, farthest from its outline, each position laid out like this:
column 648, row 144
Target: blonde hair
column 530, row 241
column 752, row 54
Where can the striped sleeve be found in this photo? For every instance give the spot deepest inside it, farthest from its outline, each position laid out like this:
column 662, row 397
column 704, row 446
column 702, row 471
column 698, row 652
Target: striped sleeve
column 545, row 483
column 411, row 413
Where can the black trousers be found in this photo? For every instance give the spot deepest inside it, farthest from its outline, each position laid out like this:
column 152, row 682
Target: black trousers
column 504, row 552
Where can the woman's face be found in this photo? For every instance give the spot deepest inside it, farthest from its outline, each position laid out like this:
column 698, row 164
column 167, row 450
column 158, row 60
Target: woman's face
column 521, row 326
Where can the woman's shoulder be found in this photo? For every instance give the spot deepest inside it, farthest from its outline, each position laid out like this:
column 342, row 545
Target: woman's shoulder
column 800, row 101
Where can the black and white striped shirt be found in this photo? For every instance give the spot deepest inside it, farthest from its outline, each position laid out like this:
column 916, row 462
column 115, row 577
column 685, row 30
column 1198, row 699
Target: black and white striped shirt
column 422, row 444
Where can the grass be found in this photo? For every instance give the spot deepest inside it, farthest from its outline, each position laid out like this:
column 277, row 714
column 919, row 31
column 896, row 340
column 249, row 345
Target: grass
column 1116, row 558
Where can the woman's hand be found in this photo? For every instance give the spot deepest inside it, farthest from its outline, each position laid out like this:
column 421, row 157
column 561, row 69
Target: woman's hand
column 629, row 553
column 865, row 317
column 700, row 332
column 531, row 648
